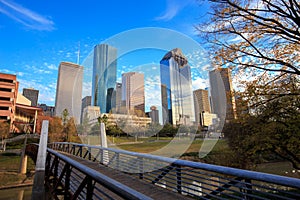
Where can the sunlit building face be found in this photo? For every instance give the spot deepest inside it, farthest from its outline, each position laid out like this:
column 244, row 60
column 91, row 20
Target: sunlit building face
column 176, row 89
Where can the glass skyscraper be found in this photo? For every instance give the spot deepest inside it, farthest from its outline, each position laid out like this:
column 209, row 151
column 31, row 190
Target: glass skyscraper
column 176, row 89
column 104, row 77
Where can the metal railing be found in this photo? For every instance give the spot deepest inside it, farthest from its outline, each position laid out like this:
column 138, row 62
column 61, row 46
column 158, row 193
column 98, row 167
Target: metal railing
column 69, row 179
column 204, row 181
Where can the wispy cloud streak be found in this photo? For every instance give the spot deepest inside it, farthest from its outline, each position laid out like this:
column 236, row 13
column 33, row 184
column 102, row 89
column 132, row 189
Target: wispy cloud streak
column 173, row 8
column 28, row 18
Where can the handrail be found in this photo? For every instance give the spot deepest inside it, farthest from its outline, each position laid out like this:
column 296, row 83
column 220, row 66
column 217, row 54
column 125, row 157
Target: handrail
column 259, row 176
column 109, row 183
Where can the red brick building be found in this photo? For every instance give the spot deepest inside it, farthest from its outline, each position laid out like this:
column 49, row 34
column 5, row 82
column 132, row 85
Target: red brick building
column 16, row 109
column 8, row 97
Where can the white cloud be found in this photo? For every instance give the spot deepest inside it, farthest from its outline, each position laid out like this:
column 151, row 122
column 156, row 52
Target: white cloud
column 7, row 71
column 173, row 8
column 35, row 70
column 20, row 74
column 200, row 83
column 28, row 18
column 51, row 66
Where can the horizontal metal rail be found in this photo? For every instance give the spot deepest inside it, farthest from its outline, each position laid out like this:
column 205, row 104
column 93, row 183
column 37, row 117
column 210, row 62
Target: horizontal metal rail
column 74, row 180
column 187, row 177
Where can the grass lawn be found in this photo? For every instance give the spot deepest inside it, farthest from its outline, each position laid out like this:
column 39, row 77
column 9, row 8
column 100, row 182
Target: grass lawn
column 279, row 168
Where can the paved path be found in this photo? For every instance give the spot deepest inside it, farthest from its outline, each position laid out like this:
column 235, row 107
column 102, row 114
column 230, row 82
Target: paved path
column 141, row 186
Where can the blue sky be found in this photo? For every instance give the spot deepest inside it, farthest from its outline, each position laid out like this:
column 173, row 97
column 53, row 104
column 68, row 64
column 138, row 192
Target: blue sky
column 35, row 36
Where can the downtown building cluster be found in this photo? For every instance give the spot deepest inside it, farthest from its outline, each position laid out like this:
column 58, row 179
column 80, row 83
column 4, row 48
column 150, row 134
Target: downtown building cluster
column 126, row 99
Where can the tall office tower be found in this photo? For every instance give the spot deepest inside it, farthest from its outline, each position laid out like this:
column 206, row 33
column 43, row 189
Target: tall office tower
column 104, row 77
column 86, row 101
column 118, row 97
column 69, row 90
column 222, row 98
column 176, row 89
column 133, row 91
column 201, row 101
column 32, row 95
column 8, row 97
column 153, row 114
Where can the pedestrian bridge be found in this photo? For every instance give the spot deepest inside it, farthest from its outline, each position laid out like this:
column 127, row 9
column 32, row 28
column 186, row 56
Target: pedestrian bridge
column 79, row 171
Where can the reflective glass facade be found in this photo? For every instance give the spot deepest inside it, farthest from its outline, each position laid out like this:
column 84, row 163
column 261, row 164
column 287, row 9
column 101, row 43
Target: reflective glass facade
column 104, row 77
column 176, row 89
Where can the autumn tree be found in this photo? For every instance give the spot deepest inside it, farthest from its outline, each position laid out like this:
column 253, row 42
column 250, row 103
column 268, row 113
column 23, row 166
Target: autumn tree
column 55, row 132
column 4, row 129
column 71, row 130
column 254, row 34
column 268, row 123
column 65, row 119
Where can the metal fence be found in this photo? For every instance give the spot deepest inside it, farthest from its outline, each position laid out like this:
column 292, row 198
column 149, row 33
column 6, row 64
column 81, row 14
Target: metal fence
column 195, row 179
column 68, row 179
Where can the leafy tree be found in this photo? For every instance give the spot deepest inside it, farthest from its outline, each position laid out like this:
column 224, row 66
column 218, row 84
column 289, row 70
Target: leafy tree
column 71, row 131
column 55, row 132
column 103, row 119
column 258, row 34
column 261, row 37
column 168, row 130
column 268, row 126
column 65, row 119
column 114, row 130
column 4, row 129
column 65, row 116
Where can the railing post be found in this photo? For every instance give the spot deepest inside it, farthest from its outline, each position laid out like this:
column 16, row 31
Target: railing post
column 67, row 181
column 38, row 189
column 55, row 171
column 90, row 188
column 178, row 178
column 90, row 154
column 249, row 189
column 105, row 156
column 79, row 152
column 118, row 160
column 47, row 169
column 141, row 167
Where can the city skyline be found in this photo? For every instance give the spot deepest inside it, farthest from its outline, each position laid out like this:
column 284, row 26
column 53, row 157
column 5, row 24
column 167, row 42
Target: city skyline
column 50, row 35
